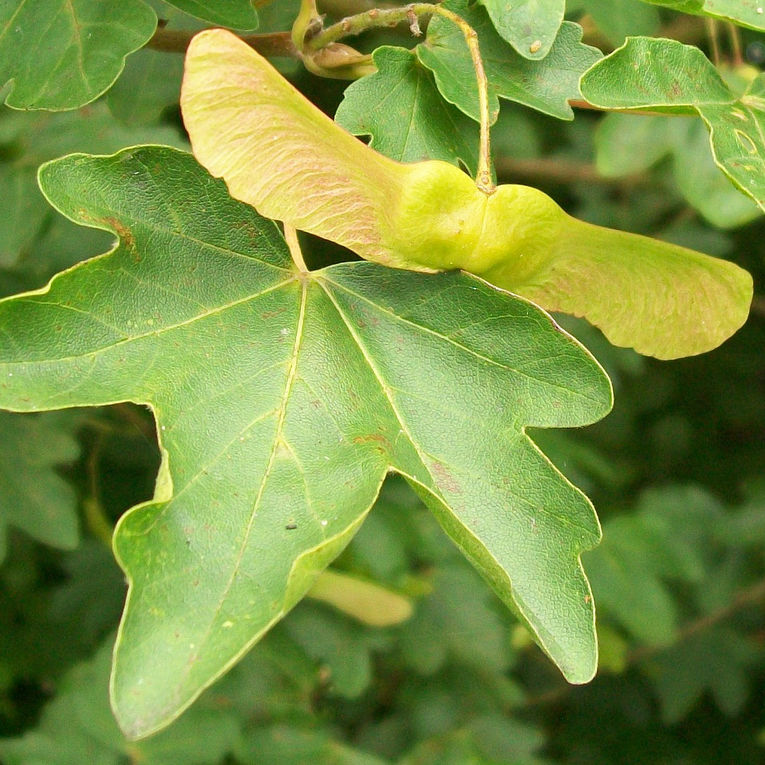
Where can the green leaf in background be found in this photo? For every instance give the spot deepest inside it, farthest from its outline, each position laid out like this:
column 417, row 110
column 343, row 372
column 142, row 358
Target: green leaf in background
column 619, row 18
column 748, row 13
column 530, row 26
column 77, row 727
column 545, row 85
column 289, row 742
column 149, row 84
column 282, row 400
column 485, row 740
column 704, row 186
column 626, row 144
column 682, row 79
column 28, row 139
column 61, row 54
column 33, row 497
column 338, row 645
column 719, row 660
column 401, row 108
column 59, row 245
column 665, row 539
column 457, row 621
column 237, row 14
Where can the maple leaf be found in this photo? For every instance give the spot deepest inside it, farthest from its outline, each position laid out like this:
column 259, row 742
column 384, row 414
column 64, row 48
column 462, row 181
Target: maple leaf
column 282, row 400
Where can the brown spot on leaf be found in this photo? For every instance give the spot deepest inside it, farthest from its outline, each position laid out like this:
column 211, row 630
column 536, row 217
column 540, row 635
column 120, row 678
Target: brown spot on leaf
column 124, row 233
column 378, row 438
column 444, row 477
column 270, row 314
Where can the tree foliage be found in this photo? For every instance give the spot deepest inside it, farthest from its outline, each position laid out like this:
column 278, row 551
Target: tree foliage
column 278, row 349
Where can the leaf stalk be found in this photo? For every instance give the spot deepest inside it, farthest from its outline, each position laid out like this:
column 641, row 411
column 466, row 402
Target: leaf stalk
column 291, row 237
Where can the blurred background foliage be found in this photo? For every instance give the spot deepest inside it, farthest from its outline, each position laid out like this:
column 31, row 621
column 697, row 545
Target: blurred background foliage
column 676, row 473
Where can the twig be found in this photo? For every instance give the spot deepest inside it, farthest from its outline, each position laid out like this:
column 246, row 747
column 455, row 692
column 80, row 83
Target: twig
column 273, row 44
column 563, row 171
column 714, row 39
column 95, row 517
column 744, row 598
column 735, row 44
column 380, row 17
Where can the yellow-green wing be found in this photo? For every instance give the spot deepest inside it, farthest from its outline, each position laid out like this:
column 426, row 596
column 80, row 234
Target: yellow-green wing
column 279, row 153
column 658, row 298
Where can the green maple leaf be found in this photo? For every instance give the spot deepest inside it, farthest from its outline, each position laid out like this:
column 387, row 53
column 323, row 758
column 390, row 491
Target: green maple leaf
column 748, row 13
column 529, row 26
column 282, row 400
column 60, row 54
column 546, row 85
column 688, row 83
column 400, row 107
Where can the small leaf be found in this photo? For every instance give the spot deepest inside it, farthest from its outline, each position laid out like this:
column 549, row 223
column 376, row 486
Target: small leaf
column 32, row 496
column 748, row 13
column 458, row 620
column 280, row 154
column 337, row 645
column 619, row 18
column 718, row 659
column 545, row 85
column 61, row 54
column 282, row 400
column 148, row 85
column 237, row 14
column 289, row 742
column 686, row 81
column 400, row 107
column 665, row 540
column 529, row 26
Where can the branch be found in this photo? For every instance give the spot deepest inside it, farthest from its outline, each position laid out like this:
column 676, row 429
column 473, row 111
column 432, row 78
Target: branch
column 563, row 171
column 742, row 599
column 272, row 44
